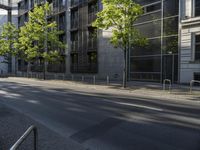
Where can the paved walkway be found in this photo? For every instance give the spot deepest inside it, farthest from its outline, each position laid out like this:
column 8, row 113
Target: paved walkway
column 139, row 89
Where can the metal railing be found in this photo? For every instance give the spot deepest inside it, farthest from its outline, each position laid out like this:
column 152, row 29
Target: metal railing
column 74, row 23
column 74, row 2
column 92, row 43
column 8, row 5
column 74, row 45
column 24, row 136
column 164, row 84
column 191, row 84
column 92, row 17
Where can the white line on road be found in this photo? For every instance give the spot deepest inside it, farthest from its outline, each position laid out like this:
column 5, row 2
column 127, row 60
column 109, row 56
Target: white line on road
column 135, row 105
column 140, row 106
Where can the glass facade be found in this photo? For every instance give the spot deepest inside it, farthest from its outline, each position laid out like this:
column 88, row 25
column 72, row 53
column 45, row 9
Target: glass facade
column 158, row 60
column 197, row 8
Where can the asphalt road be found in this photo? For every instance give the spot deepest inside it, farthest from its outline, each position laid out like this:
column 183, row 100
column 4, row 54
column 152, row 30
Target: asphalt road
column 105, row 121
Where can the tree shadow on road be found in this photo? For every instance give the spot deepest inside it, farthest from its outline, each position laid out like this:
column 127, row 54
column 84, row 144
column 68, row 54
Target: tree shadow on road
column 152, row 121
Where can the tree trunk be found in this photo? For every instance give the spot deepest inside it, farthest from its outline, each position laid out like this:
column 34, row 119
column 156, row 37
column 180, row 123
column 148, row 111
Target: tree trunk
column 125, row 69
column 44, row 70
column 28, row 68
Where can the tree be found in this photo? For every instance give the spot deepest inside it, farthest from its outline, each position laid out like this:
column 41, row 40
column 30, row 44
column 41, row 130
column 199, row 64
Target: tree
column 39, row 38
column 9, row 35
column 119, row 16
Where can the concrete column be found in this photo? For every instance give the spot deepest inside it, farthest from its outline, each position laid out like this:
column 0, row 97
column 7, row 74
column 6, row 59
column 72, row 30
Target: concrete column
column 9, row 12
column 9, row 15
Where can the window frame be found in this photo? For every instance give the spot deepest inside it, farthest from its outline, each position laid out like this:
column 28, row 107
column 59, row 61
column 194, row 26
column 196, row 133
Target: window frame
column 194, row 46
column 194, row 9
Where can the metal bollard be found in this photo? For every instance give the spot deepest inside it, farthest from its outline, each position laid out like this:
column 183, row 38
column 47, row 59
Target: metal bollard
column 82, row 78
column 164, row 84
column 63, row 76
column 94, row 80
column 107, row 80
column 191, row 84
column 72, row 77
column 25, row 136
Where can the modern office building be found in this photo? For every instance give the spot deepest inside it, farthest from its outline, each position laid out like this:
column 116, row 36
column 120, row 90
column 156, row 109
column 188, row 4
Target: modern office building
column 171, row 26
column 89, row 51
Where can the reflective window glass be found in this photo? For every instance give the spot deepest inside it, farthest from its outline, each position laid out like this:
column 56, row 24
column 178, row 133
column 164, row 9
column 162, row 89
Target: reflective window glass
column 170, row 45
column 149, row 17
column 171, row 7
column 197, row 8
column 145, row 64
column 149, row 30
column 153, row 47
column 152, row 7
column 170, row 26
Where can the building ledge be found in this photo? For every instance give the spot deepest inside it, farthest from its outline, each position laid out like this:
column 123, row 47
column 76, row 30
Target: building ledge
column 195, row 62
column 75, row 6
column 191, row 21
column 73, row 29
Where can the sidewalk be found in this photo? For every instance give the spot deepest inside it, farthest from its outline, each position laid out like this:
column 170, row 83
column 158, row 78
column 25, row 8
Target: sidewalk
column 13, row 124
column 134, row 89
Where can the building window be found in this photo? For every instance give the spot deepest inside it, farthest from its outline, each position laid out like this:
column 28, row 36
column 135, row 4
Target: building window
column 197, row 8
column 74, row 18
column 74, row 41
column 92, row 38
column 197, row 76
column 92, row 58
column 62, row 23
column 74, row 2
column 197, row 47
column 152, row 8
column 92, row 10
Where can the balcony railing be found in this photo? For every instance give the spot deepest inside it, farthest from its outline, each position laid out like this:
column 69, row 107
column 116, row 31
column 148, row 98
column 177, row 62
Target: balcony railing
column 61, row 8
column 74, row 2
column 92, row 17
column 21, row 10
column 62, row 26
column 74, row 46
column 26, row 4
column 32, row 4
column 74, row 23
column 92, row 44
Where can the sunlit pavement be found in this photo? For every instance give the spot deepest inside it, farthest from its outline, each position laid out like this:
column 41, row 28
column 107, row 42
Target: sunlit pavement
column 106, row 121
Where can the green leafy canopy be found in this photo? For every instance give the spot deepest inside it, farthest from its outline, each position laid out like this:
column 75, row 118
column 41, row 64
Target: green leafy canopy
column 119, row 16
column 8, row 38
column 36, row 32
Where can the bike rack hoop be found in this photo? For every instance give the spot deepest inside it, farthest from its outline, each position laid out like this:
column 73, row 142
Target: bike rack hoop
column 191, row 84
column 164, row 83
column 24, row 136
